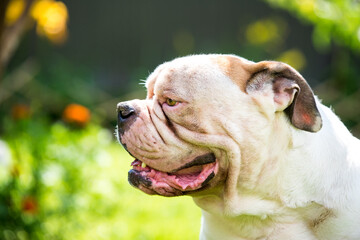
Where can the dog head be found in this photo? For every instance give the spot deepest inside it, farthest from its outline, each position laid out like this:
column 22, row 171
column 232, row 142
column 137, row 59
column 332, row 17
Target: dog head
column 207, row 121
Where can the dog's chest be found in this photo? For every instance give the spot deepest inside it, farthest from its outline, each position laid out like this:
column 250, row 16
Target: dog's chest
column 285, row 223
column 244, row 227
column 255, row 228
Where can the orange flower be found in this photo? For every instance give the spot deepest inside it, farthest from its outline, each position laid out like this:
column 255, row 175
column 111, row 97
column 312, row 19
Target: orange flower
column 77, row 114
column 20, row 111
column 29, row 205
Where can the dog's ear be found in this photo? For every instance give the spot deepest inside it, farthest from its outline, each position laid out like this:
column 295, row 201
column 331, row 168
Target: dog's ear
column 291, row 93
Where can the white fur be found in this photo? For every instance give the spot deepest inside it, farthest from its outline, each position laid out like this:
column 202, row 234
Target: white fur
column 275, row 182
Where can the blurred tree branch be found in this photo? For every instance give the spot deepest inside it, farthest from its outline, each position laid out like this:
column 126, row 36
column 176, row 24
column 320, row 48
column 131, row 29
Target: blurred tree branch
column 10, row 35
column 3, row 5
column 18, row 78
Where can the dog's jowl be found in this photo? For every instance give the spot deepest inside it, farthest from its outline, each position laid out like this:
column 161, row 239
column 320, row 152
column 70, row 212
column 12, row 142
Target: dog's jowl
column 253, row 146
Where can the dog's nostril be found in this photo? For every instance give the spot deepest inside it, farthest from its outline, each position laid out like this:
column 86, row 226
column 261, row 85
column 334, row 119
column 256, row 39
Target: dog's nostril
column 125, row 111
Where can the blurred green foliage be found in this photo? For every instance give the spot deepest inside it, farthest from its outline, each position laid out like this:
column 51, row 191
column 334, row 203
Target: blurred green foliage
column 335, row 20
column 67, row 182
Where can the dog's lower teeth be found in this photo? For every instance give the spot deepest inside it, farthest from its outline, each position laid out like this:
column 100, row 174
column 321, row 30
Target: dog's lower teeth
column 143, row 165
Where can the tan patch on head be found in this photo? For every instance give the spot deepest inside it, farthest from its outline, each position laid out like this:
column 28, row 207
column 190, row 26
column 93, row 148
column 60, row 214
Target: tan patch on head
column 237, row 69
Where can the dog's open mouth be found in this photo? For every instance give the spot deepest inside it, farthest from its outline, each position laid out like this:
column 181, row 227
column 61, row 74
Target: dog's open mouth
column 192, row 176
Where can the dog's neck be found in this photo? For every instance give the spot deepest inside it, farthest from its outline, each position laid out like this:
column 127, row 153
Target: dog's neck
column 292, row 180
column 329, row 149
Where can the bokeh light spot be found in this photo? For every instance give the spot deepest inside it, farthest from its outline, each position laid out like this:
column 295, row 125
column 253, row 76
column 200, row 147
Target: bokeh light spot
column 262, row 32
column 293, row 57
column 13, row 11
column 51, row 17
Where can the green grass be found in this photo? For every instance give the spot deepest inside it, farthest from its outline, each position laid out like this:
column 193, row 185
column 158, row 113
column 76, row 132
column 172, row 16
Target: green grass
column 128, row 213
column 77, row 180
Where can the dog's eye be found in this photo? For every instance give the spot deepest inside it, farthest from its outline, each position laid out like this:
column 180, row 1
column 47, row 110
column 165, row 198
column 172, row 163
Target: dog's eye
column 171, row 102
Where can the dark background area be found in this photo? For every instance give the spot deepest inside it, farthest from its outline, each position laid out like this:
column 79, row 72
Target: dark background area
column 112, row 45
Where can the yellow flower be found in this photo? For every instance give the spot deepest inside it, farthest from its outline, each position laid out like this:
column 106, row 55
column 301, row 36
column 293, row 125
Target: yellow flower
column 51, row 17
column 13, row 11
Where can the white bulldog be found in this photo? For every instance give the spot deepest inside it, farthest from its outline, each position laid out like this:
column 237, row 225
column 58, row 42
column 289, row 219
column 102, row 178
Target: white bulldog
column 259, row 154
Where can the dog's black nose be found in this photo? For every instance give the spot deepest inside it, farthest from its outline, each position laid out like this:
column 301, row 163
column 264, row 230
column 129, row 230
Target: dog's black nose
column 126, row 116
column 125, row 111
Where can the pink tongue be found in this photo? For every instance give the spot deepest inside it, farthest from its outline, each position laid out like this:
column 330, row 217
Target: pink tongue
column 182, row 180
